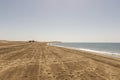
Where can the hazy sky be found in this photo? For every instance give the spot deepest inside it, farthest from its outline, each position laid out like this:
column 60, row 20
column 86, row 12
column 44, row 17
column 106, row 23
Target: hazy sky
column 62, row 20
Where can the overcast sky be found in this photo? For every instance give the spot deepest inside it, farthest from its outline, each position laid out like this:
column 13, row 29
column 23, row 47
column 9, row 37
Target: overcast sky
column 61, row 20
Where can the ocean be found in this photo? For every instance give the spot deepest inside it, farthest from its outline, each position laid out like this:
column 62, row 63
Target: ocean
column 105, row 48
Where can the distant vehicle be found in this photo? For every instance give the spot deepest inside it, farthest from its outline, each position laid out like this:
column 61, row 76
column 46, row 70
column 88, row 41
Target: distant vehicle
column 31, row 41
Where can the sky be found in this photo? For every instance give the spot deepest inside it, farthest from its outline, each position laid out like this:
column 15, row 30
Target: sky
column 60, row 20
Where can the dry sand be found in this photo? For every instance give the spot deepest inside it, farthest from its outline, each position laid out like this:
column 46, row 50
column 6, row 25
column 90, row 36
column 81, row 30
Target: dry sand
column 38, row 61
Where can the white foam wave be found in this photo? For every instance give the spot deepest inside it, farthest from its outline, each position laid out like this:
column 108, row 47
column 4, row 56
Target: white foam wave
column 101, row 52
column 94, row 51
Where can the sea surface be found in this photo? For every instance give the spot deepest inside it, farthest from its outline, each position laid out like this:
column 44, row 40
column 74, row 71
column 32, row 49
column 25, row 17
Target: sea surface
column 106, row 48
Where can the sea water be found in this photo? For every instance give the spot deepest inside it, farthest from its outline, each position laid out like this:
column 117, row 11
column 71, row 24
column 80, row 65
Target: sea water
column 106, row 48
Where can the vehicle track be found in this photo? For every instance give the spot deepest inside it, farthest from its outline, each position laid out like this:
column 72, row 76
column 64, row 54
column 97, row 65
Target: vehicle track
column 103, row 59
column 38, row 61
column 87, row 71
column 12, row 49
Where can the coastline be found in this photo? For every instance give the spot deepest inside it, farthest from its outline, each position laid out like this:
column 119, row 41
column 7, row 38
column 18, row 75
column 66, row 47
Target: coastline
column 102, row 53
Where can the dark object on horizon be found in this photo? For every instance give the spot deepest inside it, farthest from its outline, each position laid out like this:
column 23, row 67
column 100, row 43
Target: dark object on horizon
column 31, row 41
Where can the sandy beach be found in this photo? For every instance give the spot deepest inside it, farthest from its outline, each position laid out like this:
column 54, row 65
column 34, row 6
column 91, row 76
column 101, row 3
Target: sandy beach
column 39, row 61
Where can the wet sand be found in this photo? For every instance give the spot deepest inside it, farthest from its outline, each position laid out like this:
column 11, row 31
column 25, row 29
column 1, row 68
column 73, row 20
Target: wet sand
column 38, row 61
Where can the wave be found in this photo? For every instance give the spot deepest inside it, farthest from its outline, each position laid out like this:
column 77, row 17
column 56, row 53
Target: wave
column 117, row 55
column 101, row 52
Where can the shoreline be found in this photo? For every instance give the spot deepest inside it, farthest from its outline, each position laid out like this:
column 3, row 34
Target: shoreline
column 101, row 53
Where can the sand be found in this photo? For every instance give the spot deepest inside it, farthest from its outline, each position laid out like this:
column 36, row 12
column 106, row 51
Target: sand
column 38, row 61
